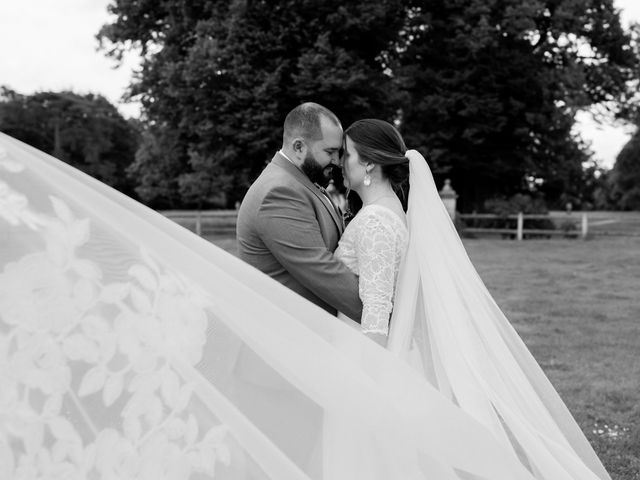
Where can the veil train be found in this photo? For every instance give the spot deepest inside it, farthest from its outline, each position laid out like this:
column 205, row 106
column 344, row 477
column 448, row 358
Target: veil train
column 447, row 325
column 120, row 334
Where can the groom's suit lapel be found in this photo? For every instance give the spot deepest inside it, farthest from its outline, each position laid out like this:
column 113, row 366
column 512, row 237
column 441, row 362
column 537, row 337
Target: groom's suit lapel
column 295, row 172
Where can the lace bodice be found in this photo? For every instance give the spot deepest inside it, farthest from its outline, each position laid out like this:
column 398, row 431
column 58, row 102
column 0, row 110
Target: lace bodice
column 372, row 247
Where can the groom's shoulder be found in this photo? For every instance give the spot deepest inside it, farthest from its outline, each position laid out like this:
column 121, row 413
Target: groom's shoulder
column 272, row 173
column 272, row 183
column 274, row 177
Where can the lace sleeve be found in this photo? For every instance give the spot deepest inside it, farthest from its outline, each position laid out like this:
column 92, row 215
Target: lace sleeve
column 376, row 251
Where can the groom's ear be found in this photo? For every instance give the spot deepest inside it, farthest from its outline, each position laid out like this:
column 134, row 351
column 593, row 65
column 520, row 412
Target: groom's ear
column 299, row 146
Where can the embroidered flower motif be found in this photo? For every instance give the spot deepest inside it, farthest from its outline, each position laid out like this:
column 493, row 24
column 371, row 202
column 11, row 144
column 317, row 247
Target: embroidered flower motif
column 36, row 295
column 14, row 208
column 72, row 337
column 8, row 163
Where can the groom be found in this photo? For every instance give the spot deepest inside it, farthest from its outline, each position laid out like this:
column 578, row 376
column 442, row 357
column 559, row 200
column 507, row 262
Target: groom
column 288, row 227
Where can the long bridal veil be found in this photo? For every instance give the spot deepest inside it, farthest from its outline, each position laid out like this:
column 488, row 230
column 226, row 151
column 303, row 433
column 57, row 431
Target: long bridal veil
column 131, row 348
column 446, row 324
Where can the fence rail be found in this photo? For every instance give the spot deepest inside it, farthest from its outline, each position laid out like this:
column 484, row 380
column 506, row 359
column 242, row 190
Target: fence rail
column 223, row 222
column 520, row 231
column 219, row 222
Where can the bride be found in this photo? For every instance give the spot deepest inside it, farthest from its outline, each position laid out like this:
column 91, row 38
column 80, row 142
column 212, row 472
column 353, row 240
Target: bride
column 445, row 323
column 119, row 330
column 375, row 167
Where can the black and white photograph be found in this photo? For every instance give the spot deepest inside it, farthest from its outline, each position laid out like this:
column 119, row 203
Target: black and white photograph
column 320, row 240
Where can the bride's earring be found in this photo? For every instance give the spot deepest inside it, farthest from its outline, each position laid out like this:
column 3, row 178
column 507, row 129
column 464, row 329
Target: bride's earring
column 367, row 178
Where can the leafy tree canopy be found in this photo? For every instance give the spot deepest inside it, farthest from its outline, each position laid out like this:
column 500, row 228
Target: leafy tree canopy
column 493, row 87
column 85, row 131
column 488, row 89
column 625, row 176
column 222, row 75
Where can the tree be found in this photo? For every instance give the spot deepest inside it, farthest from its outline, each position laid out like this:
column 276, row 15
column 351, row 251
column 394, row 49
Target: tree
column 491, row 88
column 154, row 169
column 625, row 175
column 487, row 88
column 85, row 131
column 600, row 191
column 222, row 75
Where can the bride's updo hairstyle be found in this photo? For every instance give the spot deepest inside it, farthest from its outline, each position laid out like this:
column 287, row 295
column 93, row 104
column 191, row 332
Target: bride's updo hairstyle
column 380, row 142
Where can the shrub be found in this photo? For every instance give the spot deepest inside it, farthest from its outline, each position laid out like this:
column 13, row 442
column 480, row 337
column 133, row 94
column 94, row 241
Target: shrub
column 512, row 206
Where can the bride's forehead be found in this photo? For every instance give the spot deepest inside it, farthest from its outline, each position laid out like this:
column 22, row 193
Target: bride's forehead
column 348, row 145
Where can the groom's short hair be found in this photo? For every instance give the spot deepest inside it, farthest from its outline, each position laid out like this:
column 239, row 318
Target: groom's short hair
column 304, row 121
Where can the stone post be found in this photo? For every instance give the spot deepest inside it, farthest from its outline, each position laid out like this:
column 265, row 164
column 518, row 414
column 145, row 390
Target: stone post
column 449, row 198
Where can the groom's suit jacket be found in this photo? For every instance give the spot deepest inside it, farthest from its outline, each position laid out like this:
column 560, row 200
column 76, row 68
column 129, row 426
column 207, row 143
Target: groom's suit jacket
column 288, row 229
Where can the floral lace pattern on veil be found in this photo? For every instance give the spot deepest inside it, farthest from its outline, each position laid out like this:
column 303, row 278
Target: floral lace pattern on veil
column 131, row 348
column 75, row 345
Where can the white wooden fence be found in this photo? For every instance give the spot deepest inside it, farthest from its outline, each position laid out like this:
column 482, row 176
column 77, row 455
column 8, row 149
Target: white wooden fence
column 520, row 231
column 223, row 222
column 202, row 222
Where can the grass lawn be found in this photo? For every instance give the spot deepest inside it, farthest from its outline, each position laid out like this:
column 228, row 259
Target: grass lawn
column 576, row 304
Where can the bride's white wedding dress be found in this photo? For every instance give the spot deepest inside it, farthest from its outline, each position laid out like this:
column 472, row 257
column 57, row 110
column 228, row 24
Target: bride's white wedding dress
column 446, row 325
column 119, row 332
column 372, row 247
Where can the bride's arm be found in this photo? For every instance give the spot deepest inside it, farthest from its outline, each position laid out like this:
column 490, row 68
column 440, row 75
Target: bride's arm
column 376, row 251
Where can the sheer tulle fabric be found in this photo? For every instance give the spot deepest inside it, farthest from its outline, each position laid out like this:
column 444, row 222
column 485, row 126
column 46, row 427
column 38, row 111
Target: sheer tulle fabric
column 446, row 324
column 131, row 348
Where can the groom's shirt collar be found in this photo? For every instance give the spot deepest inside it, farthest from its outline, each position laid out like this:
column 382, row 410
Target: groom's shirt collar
column 290, row 161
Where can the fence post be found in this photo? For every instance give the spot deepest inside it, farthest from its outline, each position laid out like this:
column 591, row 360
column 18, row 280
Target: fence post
column 585, row 225
column 519, row 234
column 199, row 223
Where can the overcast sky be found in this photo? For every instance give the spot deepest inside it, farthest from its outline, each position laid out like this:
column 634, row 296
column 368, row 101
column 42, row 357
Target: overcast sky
column 51, row 45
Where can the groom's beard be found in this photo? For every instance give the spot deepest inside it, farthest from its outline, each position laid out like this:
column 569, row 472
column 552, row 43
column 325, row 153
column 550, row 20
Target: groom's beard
column 316, row 172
